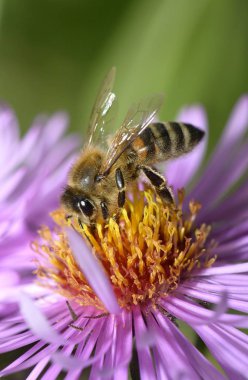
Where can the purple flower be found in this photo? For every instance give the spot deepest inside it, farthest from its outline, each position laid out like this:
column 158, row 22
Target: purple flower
column 33, row 169
column 147, row 277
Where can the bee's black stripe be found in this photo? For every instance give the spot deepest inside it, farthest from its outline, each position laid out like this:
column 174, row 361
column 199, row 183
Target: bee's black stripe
column 195, row 134
column 180, row 140
column 163, row 139
column 148, row 139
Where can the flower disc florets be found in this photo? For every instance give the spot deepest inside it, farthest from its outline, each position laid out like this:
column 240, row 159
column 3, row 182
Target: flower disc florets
column 146, row 252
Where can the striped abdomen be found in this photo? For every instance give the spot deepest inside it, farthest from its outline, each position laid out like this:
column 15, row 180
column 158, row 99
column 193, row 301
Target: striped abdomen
column 162, row 141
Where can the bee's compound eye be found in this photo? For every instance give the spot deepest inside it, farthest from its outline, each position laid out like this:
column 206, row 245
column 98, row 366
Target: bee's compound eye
column 86, row 207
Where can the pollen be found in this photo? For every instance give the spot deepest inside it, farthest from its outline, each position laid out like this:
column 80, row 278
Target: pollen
column 146, row 252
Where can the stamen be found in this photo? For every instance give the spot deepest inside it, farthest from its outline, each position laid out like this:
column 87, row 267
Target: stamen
column 146, row 253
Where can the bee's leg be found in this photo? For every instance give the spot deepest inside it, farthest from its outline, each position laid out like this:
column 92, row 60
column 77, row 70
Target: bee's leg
column 105, row 211
column 80, row 223
column 74, row 316
column 159, row 182
column 120, row 186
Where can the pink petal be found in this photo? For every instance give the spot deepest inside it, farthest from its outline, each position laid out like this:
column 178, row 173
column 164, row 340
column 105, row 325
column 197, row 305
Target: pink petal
column 236, row 126
column 195, row 314
column 229, row 351
column 102, row 346
column 22, row 358
column 196, row 359
column 9, row 184
column 146, row 366
column 93, row 271
column 214, row 298
column 8, row 278
column 37, row 322
column 54, row 370
column 28, row 360
column 34, row 374
column 234, row 204
column 9, row 134
column 55, row 128
column 181, row 170
column 123, row 353
column 84, row 350
column 233, row 167
column 170, row 351
column 224, row 269
column 230, row 140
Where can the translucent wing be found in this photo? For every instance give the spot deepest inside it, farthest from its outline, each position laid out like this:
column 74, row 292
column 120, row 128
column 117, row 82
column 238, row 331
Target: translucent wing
column 137, row 119
column 101, row 115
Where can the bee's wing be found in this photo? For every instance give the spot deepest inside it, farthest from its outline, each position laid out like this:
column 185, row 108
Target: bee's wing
column 101, row 115
column 137, row 119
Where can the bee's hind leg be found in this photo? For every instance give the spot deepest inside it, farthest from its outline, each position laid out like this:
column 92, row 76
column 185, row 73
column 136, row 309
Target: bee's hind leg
column 121, row 187
column 160, row 184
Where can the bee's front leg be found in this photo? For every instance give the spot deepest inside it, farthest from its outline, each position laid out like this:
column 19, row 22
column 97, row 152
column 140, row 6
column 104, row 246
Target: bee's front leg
column 80, row 223
column 119, row 179
column 105, row 211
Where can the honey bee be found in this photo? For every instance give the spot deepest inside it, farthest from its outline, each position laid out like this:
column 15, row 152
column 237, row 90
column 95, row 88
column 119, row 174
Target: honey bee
column 98, row 180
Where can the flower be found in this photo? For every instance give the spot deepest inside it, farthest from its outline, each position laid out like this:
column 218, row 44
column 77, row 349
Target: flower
column 33, row 169
column 121, row 308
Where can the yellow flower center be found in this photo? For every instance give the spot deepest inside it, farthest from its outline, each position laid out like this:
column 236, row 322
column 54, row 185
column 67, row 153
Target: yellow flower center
column 146, row 253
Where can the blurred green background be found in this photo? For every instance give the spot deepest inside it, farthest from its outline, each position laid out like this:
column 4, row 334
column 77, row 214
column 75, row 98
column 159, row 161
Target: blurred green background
column 55, row 53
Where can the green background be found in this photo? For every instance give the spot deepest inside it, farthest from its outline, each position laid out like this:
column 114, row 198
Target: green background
column 54, row 54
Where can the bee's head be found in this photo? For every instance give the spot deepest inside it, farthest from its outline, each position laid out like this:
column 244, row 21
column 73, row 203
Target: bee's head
column 76, row 202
